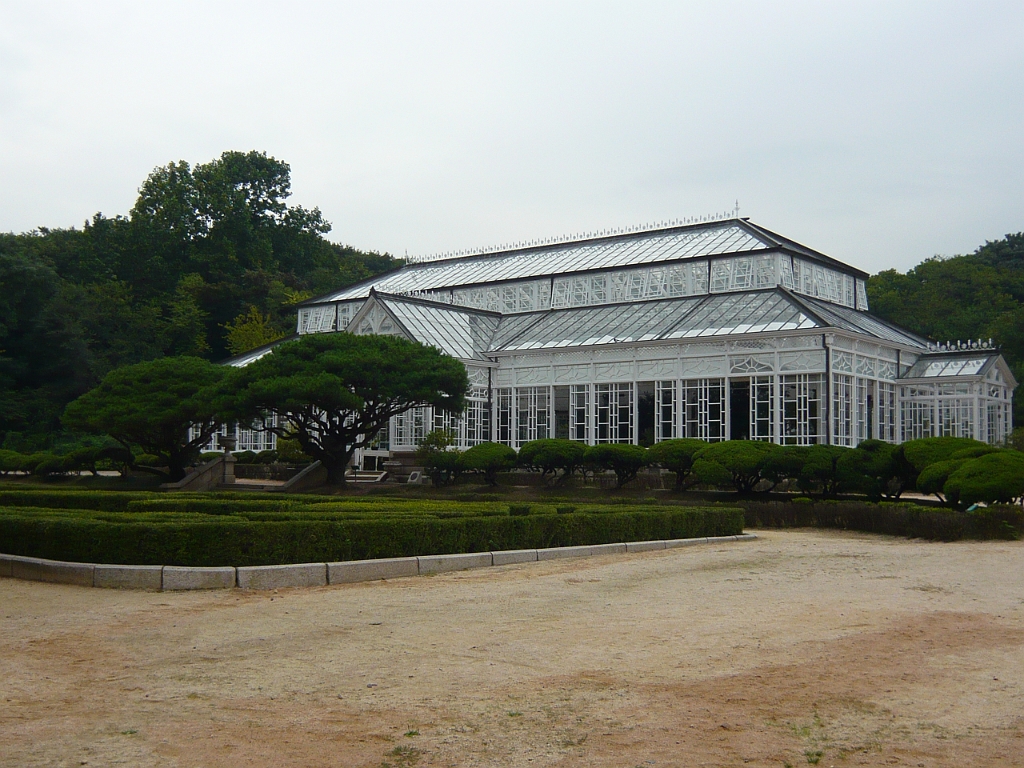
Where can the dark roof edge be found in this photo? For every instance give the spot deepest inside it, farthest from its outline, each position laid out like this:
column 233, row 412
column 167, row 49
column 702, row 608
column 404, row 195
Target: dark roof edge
column 254, row 350
column 439, row 304
column 798, row 248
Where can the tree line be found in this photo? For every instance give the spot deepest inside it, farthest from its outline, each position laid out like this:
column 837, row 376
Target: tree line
column 210, row 262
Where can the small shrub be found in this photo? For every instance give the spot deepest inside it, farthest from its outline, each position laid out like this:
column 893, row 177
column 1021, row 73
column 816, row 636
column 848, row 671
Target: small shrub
column 550, row 455
column 740, row 463
column 677, row 456
column 565, row 509
column 928, row 450
column 442, row 463
column 519, row 509
column 990, row 478
column 489, row 459
column 10, row 461
column 290, row 452
column 624, row 460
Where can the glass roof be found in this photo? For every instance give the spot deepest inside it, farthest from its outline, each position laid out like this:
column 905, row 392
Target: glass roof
column 859, row 321
column 467, row 334
column 641, row 248
column 513, row 325
column 927, row 368
column 462, row 334
column 731, row 313
column 610, row 324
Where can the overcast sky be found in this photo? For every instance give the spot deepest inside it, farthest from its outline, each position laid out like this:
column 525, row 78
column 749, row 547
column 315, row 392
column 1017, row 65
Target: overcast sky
column 880, row 133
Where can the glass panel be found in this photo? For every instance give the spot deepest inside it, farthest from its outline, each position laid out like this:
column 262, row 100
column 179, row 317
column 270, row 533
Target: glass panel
column 665, row 411
column 561, row 413
column 704, row 409
column 762, row 416
column 579, row 427
column 802, row 396
column 842, row 409
column 532, row 414
column 613, row 405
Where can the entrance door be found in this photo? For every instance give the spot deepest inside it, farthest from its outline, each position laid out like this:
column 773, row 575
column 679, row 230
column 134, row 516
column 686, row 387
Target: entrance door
column 739, row 410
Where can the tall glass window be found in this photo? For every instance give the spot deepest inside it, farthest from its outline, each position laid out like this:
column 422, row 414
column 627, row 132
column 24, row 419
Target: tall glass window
column 532, row 414
column 703, row 403
column 916, row 414
column 411, row 427
column 887, row 412
column 665, row 396
column 476, row 420
column 505, row 416
column 842, row 409
column 802, row 408
column 863, row 411
column 613, row 405
column 955, row 417
column 579, row 413
column 762, row 415
column 561, row 399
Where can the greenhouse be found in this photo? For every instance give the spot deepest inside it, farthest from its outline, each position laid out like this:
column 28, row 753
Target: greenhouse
column 719, row 330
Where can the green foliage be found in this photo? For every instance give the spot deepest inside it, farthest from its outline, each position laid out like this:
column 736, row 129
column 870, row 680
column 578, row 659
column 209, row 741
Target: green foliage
column 676, row 456
column 830, row 469
column 789, row 462
column 10, row 461
column 442, row 463
column 928, row 450
column 489, row 459
column 152, row 406
column 550, row 455
column 250, row 330
column 740, row 463
column 932, row 479
column 290, row 452
column 884, row 469
column 211, row 530
column 622, row 459
column 992, row 478
column 333, row 392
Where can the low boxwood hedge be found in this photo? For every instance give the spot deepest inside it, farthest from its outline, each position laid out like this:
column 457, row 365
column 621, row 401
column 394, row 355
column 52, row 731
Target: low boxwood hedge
column 161, row 537
column 894, row 519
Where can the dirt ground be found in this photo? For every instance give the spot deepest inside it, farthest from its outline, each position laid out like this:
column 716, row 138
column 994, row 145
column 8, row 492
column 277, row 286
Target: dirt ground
column 800, row 648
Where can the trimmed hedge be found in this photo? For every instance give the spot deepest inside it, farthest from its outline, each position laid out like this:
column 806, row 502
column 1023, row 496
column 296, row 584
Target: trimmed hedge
column 155, row 537
column 894, row 519
column 75, row 499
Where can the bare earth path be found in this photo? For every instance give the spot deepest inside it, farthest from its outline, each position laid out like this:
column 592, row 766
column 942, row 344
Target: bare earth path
column 800, row 648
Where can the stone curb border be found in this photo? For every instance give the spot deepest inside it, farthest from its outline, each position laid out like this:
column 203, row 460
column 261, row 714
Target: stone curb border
column 174, row 578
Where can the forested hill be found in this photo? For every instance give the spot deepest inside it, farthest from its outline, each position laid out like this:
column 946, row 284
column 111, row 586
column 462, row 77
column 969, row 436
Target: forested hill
column 210, row 261
column 980, row 295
